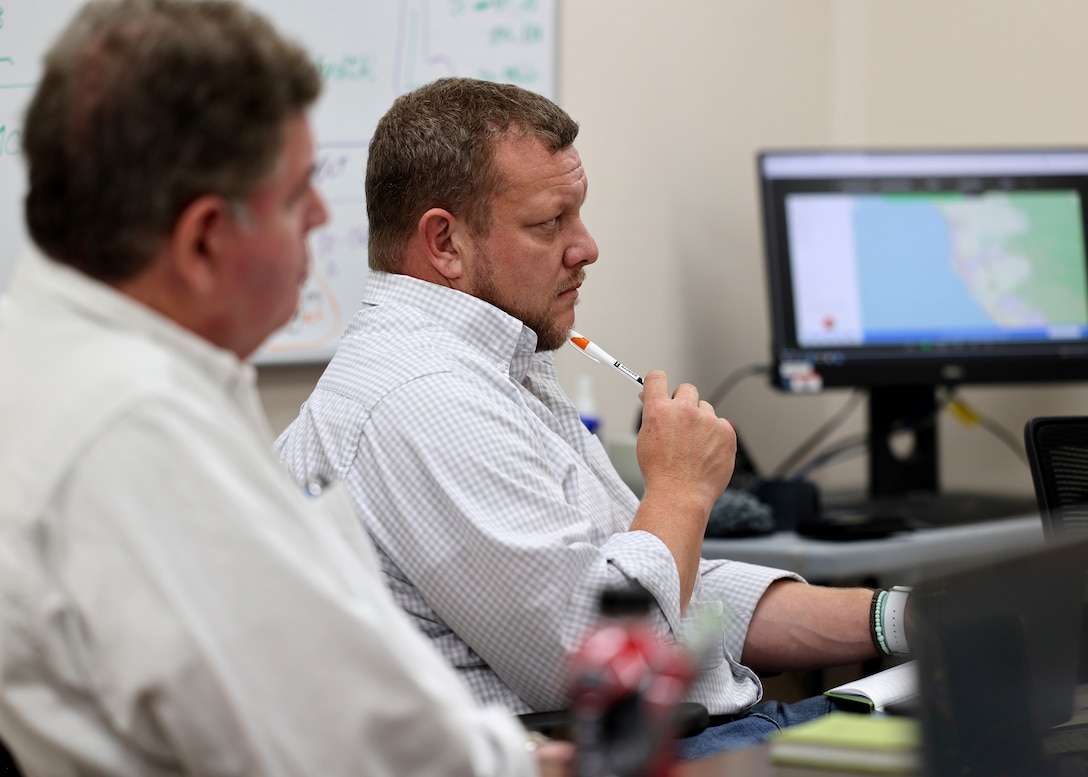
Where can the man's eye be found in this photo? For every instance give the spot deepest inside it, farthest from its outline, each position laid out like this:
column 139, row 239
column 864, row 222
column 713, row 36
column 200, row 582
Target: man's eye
column 552, row 222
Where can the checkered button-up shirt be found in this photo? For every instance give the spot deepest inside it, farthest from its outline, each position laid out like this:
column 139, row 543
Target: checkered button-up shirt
column 497, row 517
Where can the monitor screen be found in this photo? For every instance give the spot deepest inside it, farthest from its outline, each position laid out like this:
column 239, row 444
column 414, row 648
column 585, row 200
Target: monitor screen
column 926, row 267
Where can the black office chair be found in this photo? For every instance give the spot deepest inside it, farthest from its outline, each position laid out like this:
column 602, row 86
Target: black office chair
column 1057, row 448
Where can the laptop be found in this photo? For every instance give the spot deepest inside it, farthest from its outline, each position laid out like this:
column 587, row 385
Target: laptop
column 998, row 647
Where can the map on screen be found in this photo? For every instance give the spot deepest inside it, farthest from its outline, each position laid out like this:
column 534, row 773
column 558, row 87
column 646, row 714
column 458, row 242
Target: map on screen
column 933, row 267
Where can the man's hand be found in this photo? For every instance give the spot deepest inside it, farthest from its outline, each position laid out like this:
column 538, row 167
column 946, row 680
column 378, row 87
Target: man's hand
column 683, row 445
column 686, row 454
column 554, row 758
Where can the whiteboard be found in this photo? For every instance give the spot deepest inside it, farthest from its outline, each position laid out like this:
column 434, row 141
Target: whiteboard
column 369, row 51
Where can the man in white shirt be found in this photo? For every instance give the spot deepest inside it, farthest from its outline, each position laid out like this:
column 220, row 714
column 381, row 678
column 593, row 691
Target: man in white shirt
column 497, row 517
column 172, row 602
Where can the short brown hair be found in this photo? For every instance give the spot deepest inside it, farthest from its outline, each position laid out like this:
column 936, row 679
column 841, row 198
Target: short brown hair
column 144, row 106
column 435, row 148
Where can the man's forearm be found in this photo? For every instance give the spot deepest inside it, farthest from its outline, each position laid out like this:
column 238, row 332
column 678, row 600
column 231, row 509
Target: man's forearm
column 800, row 626
column 679, row 521
column 686, row 455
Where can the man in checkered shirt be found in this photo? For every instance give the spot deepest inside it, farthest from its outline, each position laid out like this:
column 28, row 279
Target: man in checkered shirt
column 498, row 518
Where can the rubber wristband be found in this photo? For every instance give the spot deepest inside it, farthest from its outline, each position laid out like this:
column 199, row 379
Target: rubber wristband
column 893, row 621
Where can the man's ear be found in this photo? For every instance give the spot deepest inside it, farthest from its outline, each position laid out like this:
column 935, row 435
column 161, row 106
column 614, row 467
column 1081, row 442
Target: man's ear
column 441, row 235
column 199, row 241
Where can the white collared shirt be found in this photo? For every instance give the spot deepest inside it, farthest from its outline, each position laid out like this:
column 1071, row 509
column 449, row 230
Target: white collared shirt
column 170, row 601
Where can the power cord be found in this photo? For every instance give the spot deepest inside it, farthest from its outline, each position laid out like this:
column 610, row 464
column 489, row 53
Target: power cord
column 728, row 384
column 858, row 444
column 855, row 445
column 821, row 433
column 946, row 398
column 733, row 378
column 970, row 416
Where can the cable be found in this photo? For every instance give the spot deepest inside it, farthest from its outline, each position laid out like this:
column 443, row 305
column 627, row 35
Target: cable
column 723, row 388
column 825, row 457
column 857, row 444
column 820, row 434
column 733, row 378
column 854, row 445
column 970, row 416
column 1007, row 437
column 860, row 443
column 960, row 409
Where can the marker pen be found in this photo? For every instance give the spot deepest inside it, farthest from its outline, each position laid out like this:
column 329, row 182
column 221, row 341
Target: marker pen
column 598, row 354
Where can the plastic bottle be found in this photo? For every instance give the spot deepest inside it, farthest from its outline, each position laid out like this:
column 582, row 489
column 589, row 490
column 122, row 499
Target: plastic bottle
column 587, row 406
column 625, row 687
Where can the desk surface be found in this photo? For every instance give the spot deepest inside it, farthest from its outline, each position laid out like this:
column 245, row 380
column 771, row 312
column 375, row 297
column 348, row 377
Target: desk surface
column 749, row 762
column 902, row 556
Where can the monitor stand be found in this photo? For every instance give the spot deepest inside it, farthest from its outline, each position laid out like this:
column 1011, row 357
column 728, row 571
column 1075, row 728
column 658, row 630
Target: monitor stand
column 905, row 488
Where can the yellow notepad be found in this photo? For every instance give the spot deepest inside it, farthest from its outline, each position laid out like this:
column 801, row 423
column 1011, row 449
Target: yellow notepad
column 872, row 744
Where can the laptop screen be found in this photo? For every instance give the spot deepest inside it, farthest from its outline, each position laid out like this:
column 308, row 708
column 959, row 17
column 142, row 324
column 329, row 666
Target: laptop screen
column 998, row 648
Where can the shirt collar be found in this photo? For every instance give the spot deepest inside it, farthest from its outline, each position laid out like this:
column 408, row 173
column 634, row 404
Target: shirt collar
column 48, row 282
column 495, row 333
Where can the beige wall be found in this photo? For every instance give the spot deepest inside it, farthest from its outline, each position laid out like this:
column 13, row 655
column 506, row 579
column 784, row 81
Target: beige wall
column 675, row 98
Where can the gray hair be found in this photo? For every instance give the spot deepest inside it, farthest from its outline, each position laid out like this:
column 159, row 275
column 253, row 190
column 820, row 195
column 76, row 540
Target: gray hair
column 145, row 106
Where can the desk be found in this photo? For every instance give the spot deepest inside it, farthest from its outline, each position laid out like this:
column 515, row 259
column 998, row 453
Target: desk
column 747, row 762
column 900, row 558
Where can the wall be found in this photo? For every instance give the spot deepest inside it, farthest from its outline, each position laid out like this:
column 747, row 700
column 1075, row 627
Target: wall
column 675, row 98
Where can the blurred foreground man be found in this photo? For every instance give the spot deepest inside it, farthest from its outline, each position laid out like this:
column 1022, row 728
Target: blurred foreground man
column 172, row 603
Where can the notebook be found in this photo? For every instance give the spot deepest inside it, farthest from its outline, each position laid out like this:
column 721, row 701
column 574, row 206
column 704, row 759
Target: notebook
column 998, row 647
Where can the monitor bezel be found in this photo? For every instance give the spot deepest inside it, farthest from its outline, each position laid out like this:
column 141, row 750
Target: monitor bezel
column 799, row 368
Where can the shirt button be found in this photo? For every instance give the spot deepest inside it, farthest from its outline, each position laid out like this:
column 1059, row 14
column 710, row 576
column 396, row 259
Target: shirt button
column 501, row 366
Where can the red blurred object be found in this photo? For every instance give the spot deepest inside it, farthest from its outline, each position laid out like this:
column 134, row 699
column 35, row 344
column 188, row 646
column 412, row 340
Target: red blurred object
column 625, row 687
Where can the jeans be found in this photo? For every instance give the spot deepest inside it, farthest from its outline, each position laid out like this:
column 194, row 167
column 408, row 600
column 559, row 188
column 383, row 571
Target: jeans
column 755, row 725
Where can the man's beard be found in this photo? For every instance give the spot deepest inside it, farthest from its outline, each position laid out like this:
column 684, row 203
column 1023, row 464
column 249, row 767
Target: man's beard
column 549, row 335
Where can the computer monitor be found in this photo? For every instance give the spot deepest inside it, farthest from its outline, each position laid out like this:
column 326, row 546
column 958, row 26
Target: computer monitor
column 900, row 271
column 999, row 646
